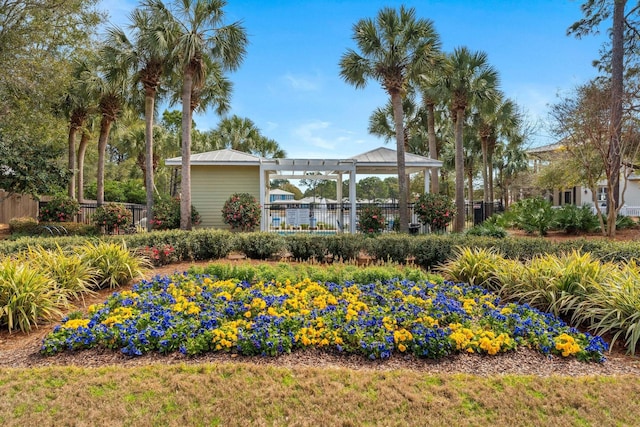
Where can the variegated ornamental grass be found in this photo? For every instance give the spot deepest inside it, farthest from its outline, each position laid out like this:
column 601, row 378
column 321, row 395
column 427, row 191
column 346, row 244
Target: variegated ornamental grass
column 198, row 313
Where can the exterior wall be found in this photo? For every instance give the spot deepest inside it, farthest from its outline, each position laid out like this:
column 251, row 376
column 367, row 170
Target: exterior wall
column 211, row 186
column 632, row 194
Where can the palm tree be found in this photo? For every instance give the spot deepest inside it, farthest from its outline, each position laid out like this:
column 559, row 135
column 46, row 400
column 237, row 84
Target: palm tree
column 109, row 82
column 76, row 105
column 433, row 93
column 146, row 54
column 495, row 117
column 237, row 133
column 395, row 48
column 195, row 33
column 467, row 77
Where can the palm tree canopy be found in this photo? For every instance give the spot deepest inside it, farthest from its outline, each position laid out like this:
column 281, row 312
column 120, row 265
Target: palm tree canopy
column 395, row 47
column 468, row 76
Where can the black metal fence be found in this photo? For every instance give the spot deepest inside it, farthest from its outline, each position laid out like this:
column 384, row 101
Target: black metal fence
column 326, row 218
column 87, row 210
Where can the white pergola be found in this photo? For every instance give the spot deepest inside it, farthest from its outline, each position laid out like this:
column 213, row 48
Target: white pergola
column 381, row 161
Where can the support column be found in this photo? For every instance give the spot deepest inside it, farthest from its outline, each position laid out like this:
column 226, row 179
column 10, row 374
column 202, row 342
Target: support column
column 263, row 189
column 427, row 180
column 352, row 201
column 340, row 213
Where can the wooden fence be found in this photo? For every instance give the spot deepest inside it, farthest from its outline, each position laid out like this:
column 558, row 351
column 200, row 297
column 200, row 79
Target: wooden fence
column 16, row 206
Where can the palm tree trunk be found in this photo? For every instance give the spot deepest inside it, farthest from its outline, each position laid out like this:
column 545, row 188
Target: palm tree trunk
column 485, row 168
column 105, row 128
column 185, row 196
column 73, row 130
column 82, row 149
column 433, row 147
column 398, row 113
column 148, row 138
column 459, row 164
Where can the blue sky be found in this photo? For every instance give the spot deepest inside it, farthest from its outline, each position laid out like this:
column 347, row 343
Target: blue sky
column 289, row 83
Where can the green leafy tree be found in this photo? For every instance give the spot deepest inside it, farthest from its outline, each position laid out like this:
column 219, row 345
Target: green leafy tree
column 395, row 47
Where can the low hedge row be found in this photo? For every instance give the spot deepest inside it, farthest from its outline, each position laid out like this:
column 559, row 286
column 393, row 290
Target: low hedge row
column 426, row 251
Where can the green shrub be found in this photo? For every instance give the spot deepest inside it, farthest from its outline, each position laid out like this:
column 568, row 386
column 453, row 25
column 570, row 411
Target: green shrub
column 613, row 307
column 166, row 214
column 129, row 191
column 59, row 209
column 572, row 219
column 487, row 229
column 624, row 222
column 71, row 274
column 391, row 247
column 26, row 296
column 262, row 245
column 112, row 217
column 306, row 247
column 434, row 210
column 23, row 225
column 476, row 266
column 371, row 220
column 242, row 212
column 115, row 264
column 533, row 215
column 345, row 247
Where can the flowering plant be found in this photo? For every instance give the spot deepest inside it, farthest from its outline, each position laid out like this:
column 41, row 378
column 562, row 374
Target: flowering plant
column 112, row 216
column 434, row 210
column 371, row 219
column 195, row 314
column 59, row 209
column 242, row 212
column 160, row 255
column 166, row 214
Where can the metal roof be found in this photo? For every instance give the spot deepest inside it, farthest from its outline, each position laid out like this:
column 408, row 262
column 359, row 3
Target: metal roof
column 378, row 161
column 226, row 157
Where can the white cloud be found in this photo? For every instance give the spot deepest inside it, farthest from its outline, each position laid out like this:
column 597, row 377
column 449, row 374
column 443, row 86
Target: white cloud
column 302, row 83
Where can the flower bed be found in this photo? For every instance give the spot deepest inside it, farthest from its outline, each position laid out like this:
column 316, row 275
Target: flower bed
column 197, row 314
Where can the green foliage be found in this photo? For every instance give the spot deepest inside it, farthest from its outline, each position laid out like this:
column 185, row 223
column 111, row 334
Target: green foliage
column 23, row 225
column 115, row 264
column 434, row 210
column 623, row 222
column 242, row 212
column 29, row 168
column 391, row 247
column 613, row 306
column 160, row 255
column 345, row 247
column 476, row 266
column 533, row 215
column 306, row 247
column 71, row 274
column 129, row 191
column 26, row 296
column 371, row 220
column 487, row 229
column 112, row 217
column 262, row 245
column 166, row 214
column 572, row 219
column 59, row 209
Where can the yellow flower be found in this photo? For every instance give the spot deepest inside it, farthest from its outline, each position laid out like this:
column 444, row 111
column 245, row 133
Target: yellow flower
column 76, row 323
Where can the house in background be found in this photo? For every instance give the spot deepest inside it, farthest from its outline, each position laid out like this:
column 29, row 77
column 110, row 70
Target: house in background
column 277, row 195
column 580, row 195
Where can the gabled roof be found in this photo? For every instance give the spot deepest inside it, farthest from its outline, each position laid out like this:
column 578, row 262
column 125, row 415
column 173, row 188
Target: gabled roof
column 226, row 157
column 384, row 160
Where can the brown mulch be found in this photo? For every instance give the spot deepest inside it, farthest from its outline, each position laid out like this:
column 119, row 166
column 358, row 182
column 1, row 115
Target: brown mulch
column 20, row 350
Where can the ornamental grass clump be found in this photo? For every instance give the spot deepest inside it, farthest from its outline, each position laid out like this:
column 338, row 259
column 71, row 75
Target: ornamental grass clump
column 115, row 264
column 195, row 314
column 242, row 212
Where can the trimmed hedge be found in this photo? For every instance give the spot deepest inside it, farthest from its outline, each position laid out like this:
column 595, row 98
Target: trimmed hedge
column 426, row 251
